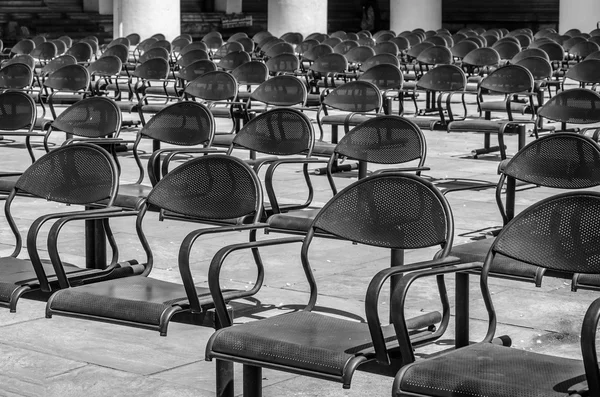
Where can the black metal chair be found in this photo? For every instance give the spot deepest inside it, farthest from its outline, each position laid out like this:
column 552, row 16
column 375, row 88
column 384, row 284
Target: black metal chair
column 558, row 161
column 559, row 235
column 80, row 174
column 217, row 190
column 574, row 109
column 390, row 210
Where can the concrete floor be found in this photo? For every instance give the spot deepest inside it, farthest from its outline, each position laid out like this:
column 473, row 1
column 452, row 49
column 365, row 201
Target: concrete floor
column 73, row 357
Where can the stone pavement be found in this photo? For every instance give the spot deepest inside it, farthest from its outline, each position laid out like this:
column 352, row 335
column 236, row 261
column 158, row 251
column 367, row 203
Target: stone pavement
column 73, row 357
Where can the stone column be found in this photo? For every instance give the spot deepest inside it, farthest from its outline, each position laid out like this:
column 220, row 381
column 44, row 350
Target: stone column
column 412, row 14
column 90, row 5
column 580, row 14
column 105, row 7
column 228, row 6
column 304, row 16
column 147, row 17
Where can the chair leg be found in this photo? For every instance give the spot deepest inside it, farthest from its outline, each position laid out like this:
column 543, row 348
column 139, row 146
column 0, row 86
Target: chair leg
column 252, row 381
column 224, row 378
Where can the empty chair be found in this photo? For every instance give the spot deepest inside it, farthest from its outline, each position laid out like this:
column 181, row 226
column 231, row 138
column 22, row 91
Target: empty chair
column 283, row 64
column 67, row 85
column 82, row 52
column 233, row 60
column 18, row 114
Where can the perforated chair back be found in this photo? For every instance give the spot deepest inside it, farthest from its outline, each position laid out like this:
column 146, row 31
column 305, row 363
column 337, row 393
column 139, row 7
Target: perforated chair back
column 233, row 60
column 482, row 57
column 121, row 51
column 391, row 210
column 57, row 63
column 80, row 174
column 134, row 38
column 213, row 86
column 355, row 96
column 61, row 46
column 108, row 65
column 554, row 50
column 316, row 52
column 196, row 45
column 68, row 41
column 507, row 49
column 283, row 63
column 226, row 48
column 17, row 111
column 345, row 46
column 574, row 106
column 16, row 76
column 69, row 78
column 461, row 49
column 154, row 69
column 384, row 140
column 330, row 63
column 540, row 68
column 119, row 41
column 23, row 47
column 93, row 117
column 279, row 48
column 415, row 50
column 385, row 76
column 45, row 51
column 191, row 57
column 281, row 91
column 378, row 60
column 23, row 58
column 401, row 42
column 359, row 54
column 571, row 42
column 155, row 52
column 215, row 187
column 436, row 55
column 443, row 78
column 251, row 73
column 306, row 45
column 294, row 38
column 583, row 49
column 185, row 123
column 195, row 69
column 82, row 51
column 530, row 52
column 280, row 131
column 509, row 79
column 247, row 43
column 585, row 72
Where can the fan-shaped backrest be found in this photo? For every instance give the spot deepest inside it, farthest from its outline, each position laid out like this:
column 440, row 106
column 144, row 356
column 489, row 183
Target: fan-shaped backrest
column 482, row 57
column 359, row 54
column 384, row 76
column 443, row 78
column 119, row 41
column 195, row 69
column 227, row 48
column 183, row 123
column 134, row 38
column 17, row 111
column 560, row 160
column 294, row 38
column 576, row 105
column 82, row 51
column 247, row 44
column 92, row 117
column 154, row 69
column 559, row 233
column 509, row 79
column 16, row 76
column 234, row 59
column 583, row 49
column 306, row 45
column 392, row 210
column 191, row 57
column 554, row 50
column 213, row 86
column 401, row 42
column 281, row 91
column 507, row 49
column 58, row 63
column 69, row 78
column 158, row 36
column 197, row 45
column 355, row 96
column 380, row 59
column 384, row 140
column 45, row 51
column 317, row 51
column 530, row 52
column 436, row 55
column 68, row 41
column 24, row 46
column 79, row 173
column 155, row 52
column 145, row 45
column 330, row 63
column 461, row 49
column 569, row 43
column 213, row 187
column 179, row 43
column 345, row 46
column 109, row 65
column 416, row 49
column 386, row 47
column 257, row 37
column 251, row 73
column 61, row 46
column 25, row 59
column 539, row 67
column 283, row 63
column 279, row 48
column 121, row 51
column 280, row 131
column 587, row 71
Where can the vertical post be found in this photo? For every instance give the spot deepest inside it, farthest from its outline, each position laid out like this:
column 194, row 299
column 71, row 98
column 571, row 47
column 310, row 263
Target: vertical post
column 412, row 14
column 224, row 378
column 252, row 381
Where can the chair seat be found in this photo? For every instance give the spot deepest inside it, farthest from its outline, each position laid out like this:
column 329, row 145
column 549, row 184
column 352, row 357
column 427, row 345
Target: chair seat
column 424, row 123
column 476, row 251
column 222, row 112
column 477, row 125
column 223, row 140
column 340, row 119
column 7, row 183
column 500, row 106
column 323, row 149
column 297, row 340
column 294, row 220
column 130, row 195
column 152, row 107
column 489, row 370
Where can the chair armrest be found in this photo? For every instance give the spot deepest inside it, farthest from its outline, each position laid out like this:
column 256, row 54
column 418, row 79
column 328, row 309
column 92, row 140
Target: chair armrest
column 372, row 299
column 588, row 347
column 273, row 164
column 217, row 263
column 402, row 169
column 34, row 229
column 106, row 141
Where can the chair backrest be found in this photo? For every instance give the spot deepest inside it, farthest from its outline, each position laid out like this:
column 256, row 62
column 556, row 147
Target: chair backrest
column 251, row 73
column 530, row 52
column 92, row 117
column 213, row 86
column 196, row 45
column 585, row 72
column 306, row 45
column 279, row 131
column 82, row 51
column 69, row 78
column 571, row 42
column 509, row 79
column 583, row 49
column 390, row 210
column 145, row 45
column 216, row 187
column 359, row 54
column 281, row 91
column 540, row 68
column 378, row 60
column 236, row 36
column 134, row 38
column 155, row 52
column 79, row 173
column 294, row 38
column 45, row 51
column 17, row 111
column 415, row 50
column 482, row 57
column 178, row 43
column 436, row 55
column 554, row 50
column 25, row 59
column 443, row 78
column 330, row 63
column 191, row 57
column 507, row 49
column 108, row 65
column 401, row 42
column 233, row 60
column 57, row 63
column 119, row 41
column 345, row 46
column 16, row 76
column 23, row 47
column 121, row 51
column 573, row 106
column 93, row 44
column 384, row 140
column 385, row 76
column 332, row 41
column 195, row 69
column 316, row 52
column 355, row 96
column 258, row 36
column 68, row 41
column 154, row 69
column 61, row 46
column 184, row 123
column 279, row 48
column 247, row 43
column 227, row 48
column 461, row 49
column 283, row 63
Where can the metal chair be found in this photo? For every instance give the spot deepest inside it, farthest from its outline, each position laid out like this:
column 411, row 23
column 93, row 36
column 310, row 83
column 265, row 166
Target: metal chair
column 371, row 211
column 559, row 235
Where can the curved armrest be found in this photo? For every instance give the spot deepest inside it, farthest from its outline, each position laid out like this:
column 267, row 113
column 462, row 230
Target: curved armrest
column 588, row 347
column 33, row 232
column 273, row 164
column 216, row 264
column 99, row 141
column 372, row 299
column 104, row 213
column 402, row 169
